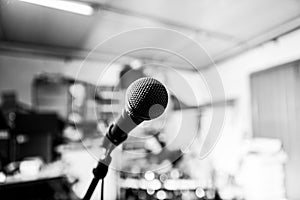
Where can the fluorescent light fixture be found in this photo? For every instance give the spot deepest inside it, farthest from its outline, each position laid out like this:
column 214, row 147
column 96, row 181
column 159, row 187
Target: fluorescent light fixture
column 70, row 6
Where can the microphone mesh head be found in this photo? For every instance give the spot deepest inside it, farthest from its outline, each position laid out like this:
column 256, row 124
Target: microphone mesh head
column 147, row 98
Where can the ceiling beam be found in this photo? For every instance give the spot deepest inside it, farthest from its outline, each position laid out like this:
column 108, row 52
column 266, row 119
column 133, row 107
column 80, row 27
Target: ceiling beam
column 262, row 38
column 38, row 51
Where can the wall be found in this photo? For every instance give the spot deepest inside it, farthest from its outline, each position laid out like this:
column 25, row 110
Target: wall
column 236, row 79
column 235, row 72
column 17, row 72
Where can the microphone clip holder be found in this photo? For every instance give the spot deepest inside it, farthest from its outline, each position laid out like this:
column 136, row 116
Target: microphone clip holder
column 101, row 169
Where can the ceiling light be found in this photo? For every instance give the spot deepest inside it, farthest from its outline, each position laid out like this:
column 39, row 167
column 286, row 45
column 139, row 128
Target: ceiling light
column 70, row 6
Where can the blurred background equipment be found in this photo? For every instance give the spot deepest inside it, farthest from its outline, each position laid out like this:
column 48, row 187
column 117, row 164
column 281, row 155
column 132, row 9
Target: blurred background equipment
column 35, row 135
column 265, row 161
column 48, row 188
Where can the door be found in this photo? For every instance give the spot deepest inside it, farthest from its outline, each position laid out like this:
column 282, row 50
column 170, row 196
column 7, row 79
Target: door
column 275, row 114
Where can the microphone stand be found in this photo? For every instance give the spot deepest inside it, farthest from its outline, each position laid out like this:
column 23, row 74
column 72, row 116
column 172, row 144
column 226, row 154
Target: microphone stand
column 115, row 136
column 99, row 173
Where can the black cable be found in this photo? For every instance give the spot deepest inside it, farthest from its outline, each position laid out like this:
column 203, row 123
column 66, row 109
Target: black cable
column 102, row 189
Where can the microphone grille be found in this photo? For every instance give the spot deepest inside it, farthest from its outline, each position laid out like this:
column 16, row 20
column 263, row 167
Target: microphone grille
column 147, row 98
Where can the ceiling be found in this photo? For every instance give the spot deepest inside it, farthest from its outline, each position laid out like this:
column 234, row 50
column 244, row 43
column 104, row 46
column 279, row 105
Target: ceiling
column 223, row 27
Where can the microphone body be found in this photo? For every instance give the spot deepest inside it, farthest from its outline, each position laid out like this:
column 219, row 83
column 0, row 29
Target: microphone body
column 146, row 99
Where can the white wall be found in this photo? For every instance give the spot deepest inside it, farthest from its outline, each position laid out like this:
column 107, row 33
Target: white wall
column 235, row 72
column 17, row 72
column 235, row 76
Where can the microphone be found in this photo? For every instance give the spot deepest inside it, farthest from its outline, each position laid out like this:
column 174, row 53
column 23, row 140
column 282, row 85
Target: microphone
column 146, row 99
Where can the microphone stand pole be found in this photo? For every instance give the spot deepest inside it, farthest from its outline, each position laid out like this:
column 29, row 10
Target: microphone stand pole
column 109, row 143
column 99, row 173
